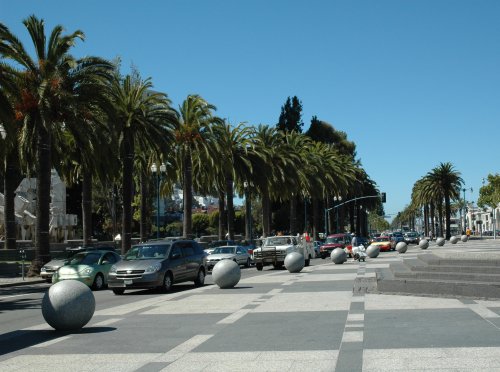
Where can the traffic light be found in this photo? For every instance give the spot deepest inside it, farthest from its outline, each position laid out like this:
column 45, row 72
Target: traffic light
column 382, row 196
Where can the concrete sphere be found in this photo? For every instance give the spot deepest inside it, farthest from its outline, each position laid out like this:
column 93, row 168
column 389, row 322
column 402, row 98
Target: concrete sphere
column 226, row 274
column 440, row 241
column 294, row 262
column 454, row 239
column 464, row 238
column 373, row 251
column 68, row 305
column 401, row 247
column 423, row 244
column 338, row 256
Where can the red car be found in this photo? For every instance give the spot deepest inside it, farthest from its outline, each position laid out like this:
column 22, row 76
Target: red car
column 334, row 241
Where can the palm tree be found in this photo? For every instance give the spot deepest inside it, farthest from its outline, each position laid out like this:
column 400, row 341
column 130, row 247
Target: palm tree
column 446, row 182
column 230, row 154
column 41, row 109
column 142, row 120
column 8, row 150
column 191, row 128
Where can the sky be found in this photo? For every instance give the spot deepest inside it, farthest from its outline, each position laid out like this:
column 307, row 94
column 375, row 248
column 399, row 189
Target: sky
column 414, row 83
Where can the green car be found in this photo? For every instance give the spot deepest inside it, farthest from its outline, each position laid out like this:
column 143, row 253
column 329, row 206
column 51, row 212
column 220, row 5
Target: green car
column 90, row 268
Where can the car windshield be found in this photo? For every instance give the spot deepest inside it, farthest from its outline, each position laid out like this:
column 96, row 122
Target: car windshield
column 224, row 250
column 335, row 240
column 85, row 258
column 279, row 240
column 411, row 235
column 382, row 239
column 147, row 252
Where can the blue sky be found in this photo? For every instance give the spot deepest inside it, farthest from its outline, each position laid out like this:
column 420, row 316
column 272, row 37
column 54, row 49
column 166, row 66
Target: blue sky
column 412, row 82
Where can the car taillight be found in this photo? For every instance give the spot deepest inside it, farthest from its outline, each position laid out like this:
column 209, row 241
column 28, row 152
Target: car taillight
column 250, row 251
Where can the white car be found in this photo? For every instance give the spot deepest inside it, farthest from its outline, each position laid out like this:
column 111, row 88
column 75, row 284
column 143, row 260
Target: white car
column 235, row 253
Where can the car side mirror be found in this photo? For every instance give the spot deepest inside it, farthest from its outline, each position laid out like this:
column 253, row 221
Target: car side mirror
column 175, row 256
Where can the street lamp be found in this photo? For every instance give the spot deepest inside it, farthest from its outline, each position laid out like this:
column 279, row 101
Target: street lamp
column 154, row 170
column 337, row 222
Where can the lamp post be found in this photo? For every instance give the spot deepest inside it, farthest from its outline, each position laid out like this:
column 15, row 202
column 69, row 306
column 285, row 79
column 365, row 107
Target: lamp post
column 337, row 222
column 157, row 175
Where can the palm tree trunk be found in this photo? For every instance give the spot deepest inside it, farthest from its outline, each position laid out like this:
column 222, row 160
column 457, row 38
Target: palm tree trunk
column 222, row 215
column 316, row 227
column 448, row 216
column 230, row 207
column 127, row 189
column 426, row 220
column 293, row 215
column 266, row 218
column 433, row 225
column 10, row 180
column 143, row 230
column 43, row 183
column 187, row 191
column 87, row 207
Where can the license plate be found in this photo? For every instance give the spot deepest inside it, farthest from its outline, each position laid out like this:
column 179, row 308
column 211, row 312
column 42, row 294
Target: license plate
column 127, row 282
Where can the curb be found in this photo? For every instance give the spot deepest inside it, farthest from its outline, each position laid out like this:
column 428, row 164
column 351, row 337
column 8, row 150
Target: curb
column 21, row 282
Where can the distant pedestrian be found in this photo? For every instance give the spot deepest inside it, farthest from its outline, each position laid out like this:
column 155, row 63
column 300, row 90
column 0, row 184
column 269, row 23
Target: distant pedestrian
column 354, row 241
column 431, row 235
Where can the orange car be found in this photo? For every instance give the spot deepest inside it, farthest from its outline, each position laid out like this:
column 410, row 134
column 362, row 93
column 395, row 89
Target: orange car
column 383, row 242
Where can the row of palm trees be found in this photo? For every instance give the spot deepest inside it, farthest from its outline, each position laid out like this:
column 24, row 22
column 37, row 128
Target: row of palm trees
column 81, row 117
column 431, row 195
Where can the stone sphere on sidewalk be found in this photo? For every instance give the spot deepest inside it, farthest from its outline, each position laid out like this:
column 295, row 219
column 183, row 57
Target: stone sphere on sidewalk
column 294, row 262
column 402, row 247
column 68, row 305
column 338, row 256
column 454, row 239
column 226, row 274
column 423, row 244
column 373, row 251
column 464, row 238
column 440, row 241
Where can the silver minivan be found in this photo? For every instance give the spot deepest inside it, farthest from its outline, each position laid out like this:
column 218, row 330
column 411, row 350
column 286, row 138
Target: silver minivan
column 159, row 264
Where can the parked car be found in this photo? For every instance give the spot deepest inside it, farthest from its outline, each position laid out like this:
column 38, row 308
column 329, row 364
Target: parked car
column 89, row 267
column 383, row 242
column 236, row 253
column 218, row 243
column 317, row 246
column 159, row 265
column 63, row 258
column 412, row 237
column 334, row 241
column 396, row 237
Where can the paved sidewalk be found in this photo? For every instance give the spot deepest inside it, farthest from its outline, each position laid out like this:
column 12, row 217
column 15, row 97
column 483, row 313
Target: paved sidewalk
column 309, row 321
column 9, row 282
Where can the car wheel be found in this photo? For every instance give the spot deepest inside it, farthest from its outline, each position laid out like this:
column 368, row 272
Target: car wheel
column 168, row 281
column 49, row 280
column 259, row 266
column 200, row 278
column 118, row 291
column 98, row 282
column 247, row 264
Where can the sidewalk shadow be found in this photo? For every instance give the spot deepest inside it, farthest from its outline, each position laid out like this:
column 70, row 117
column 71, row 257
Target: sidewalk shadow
column 18, row 340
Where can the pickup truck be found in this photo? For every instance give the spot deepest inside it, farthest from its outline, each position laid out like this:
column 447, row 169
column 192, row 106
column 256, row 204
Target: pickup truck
column 275, row 248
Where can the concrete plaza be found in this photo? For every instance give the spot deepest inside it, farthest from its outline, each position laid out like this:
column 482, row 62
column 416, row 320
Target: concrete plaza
column 276, row 321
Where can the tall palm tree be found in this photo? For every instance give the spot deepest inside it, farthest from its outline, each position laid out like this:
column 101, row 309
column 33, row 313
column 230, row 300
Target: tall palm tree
column 447, row 182
column 142, row 119
column 41, row 109
column 229, row 148
column 191, row 128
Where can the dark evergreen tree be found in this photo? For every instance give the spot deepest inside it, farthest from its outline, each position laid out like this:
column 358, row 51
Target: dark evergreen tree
column 291, row 116
column 322, row 131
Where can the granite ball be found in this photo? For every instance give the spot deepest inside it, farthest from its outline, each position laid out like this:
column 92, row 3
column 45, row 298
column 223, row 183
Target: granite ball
column 226, row 274
column 402, row 247
column 464, row 238
column 373, row 251
column 294, row 262
column 423, row 244
column 454, row 240
column 338, row 256
column 68, row 305
column 440, row 241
